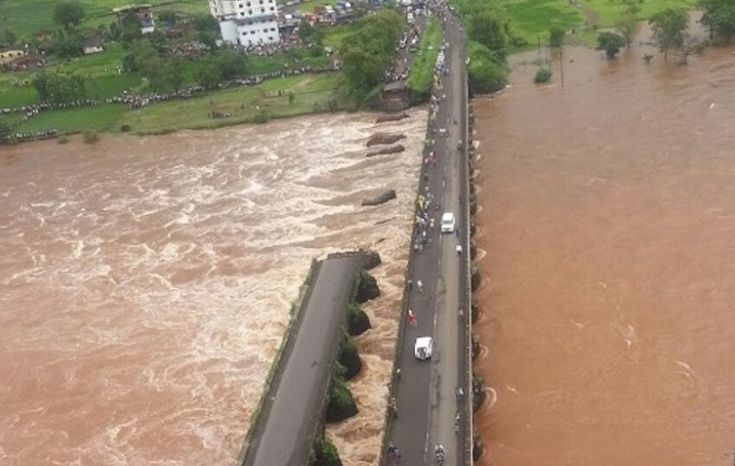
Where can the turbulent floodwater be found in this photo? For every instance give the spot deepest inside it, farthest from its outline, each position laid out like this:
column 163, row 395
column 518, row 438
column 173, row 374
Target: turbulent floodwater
column 608, row 228
column 146, row 283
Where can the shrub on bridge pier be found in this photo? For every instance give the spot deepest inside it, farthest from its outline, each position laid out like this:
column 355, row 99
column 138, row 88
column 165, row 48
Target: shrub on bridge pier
column 350, row 358
column 478, row 392
column 357, row 321
column 324, row 453
column 341, row 404
column 367, row 287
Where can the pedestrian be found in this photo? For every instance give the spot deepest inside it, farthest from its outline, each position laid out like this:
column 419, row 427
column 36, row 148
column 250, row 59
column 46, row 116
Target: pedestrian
column 420, row 285
column 412, row 318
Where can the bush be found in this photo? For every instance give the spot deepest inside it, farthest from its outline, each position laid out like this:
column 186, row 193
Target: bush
column 324, row 453
column 341, row 404
column 6, row 132
column 349, row 358
column 90, row 137
column 487, row 70
column 357, row 321
column 610, row 42
column 543, row 75
column 368, row 51
column 262, row 117
column 556, row 36
column 367, row 287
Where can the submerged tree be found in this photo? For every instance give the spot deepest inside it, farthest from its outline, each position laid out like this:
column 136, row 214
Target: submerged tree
column 556, row 36
column 610, row 42
column 669, row 29
column 719, row 18
column 628, row 24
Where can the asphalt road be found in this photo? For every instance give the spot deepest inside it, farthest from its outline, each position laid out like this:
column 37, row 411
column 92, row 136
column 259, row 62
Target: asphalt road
column 426, row 400
column 294, row 409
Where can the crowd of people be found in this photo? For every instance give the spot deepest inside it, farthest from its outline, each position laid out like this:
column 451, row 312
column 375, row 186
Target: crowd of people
column 398, row 70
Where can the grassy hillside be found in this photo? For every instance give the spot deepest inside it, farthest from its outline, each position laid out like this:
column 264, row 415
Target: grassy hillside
column 24, row 17
column 284, row 97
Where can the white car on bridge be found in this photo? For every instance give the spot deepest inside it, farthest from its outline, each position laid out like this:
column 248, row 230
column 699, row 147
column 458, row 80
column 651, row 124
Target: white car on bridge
column 423, row 348
column 448, row 222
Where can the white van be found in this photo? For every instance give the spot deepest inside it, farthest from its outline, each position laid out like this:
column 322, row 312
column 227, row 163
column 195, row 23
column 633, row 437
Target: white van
column 448, row 223
column 423, row 348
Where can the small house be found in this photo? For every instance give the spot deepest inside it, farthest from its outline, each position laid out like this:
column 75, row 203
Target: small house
column 142, row 13
column 92, row 44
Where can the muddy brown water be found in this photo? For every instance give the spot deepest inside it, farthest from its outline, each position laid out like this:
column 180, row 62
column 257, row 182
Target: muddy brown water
column 607, row 237
column 146, row 283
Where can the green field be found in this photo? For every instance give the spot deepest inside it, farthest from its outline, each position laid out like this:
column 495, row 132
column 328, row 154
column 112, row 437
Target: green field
column 310, row 93
column 531, row 19
column 25, row 17
column 104, row 81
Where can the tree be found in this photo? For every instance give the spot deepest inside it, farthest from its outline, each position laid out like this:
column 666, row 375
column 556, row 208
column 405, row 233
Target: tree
column 168, row 17
column 206, row 22
column 207, row 76
column 610, row 42
column 556, row 36
column 68, row 45
column 719, row 18
column 487, row 30
column 367, row 52
column 309, row 34
column 543, row 75
column 68, row 14
column 628, row 24
column 56, row 87
column 8, row 38
column 143, row 57
column 231, row 64
column 669, row 29
column 487, row 71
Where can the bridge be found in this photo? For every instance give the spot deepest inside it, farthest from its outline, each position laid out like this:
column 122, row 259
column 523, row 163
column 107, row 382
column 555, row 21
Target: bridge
column 438, row 290
column 429, row 410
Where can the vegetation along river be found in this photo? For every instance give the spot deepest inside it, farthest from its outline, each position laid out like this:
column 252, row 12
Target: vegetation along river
column 146, row 283
column 607, row 237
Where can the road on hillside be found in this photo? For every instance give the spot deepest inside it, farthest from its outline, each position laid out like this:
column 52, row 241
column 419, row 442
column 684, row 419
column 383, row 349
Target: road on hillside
column 426, row 390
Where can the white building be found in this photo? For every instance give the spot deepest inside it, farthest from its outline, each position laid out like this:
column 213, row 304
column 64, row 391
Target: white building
column 247, row 22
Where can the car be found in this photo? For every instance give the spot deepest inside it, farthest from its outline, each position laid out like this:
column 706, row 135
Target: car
column 423, row 348
column 448, row 222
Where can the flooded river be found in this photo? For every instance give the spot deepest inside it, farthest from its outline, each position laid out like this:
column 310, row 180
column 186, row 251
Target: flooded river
column 146, row 283
column 607, row 225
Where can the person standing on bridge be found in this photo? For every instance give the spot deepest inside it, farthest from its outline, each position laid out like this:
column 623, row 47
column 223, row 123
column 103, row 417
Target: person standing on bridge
column 412, row 318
